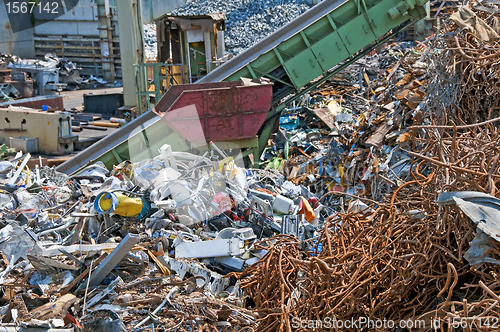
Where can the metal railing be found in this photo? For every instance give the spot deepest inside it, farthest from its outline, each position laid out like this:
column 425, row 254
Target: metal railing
column 153, row 80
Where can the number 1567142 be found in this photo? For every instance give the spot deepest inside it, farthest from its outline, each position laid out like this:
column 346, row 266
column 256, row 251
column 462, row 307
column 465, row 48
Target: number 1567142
column 20, row 7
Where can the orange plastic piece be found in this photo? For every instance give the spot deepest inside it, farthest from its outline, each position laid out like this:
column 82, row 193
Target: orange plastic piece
column 306, row 209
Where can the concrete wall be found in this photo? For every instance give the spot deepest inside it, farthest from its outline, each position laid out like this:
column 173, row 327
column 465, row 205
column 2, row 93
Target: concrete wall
column 81, row 21
column 20, row 43
column 152, row 9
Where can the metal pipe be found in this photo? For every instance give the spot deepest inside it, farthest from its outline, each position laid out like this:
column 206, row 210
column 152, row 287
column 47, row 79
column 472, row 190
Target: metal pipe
column 55, row 230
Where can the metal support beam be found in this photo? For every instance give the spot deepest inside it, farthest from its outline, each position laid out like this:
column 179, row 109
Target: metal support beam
column 208, row 50
column 131, row 46
column 220, row 44
column 114, row 258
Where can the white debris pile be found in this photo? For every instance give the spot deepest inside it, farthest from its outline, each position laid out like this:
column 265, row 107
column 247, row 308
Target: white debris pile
column 248, row 21
column 150, row 41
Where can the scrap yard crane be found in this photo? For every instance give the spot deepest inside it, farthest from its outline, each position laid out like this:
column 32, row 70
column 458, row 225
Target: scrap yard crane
column 296, row 59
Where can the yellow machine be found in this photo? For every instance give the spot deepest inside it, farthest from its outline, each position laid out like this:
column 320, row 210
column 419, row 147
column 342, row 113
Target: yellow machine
column 53, row 129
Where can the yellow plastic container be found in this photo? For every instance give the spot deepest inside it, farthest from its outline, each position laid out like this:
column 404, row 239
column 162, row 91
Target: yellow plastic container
column 120, row 204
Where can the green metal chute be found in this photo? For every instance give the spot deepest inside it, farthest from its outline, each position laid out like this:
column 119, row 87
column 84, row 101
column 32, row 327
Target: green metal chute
column 332, row 34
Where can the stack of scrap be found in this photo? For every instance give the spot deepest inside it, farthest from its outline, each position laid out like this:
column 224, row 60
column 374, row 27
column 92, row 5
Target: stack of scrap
column 428, row 252
column 378, row 207
column 466, row 63
column 144, row 245
column 347, row 136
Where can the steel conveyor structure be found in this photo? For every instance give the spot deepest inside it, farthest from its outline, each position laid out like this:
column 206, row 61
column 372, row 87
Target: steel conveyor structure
column 313, row 47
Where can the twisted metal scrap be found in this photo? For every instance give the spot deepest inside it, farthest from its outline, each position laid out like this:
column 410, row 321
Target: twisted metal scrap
column 272, row 282
column 380, row 265
column 465, row 85
column 388, row 264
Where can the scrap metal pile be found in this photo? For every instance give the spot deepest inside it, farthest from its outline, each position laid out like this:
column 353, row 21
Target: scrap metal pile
column 143, row 246
column 346, row 136
column 247, row 21
column 468, row 66
column 379, row 202
column 66, row 70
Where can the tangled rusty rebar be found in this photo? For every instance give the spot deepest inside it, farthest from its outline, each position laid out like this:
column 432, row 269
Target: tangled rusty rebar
column 388, row 263
column 466, row 79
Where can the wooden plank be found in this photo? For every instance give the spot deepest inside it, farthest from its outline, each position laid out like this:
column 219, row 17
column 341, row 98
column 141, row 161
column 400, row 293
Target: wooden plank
column 66, row 47
column 76, row 39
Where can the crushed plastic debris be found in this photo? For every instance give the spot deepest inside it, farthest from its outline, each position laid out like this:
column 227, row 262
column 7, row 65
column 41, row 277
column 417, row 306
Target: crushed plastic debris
column 170, row 226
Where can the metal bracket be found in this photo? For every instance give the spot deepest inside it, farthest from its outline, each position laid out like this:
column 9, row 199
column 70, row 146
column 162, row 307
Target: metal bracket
column 272, row 77
column 370, row 21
